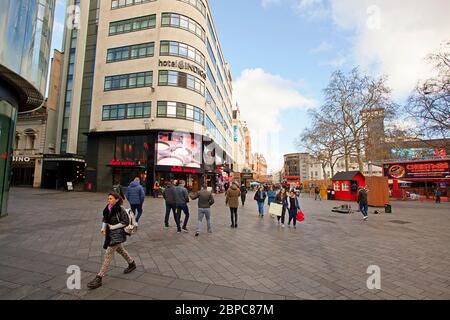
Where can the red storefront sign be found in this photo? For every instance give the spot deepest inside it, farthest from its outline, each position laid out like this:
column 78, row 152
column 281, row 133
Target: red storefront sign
column 418, row 170
column 122, row 163
column 178, row 169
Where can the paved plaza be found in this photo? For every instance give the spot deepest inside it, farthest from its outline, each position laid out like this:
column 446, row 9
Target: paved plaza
column 326, row 257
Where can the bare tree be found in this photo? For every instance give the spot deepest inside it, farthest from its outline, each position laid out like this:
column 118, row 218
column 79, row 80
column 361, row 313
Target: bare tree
column 429, row 105
column 347, row 98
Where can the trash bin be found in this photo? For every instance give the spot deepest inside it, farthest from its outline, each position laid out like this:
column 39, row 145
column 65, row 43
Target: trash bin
column 387, row 208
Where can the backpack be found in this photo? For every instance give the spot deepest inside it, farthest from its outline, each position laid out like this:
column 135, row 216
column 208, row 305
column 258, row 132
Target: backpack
column 132, row 223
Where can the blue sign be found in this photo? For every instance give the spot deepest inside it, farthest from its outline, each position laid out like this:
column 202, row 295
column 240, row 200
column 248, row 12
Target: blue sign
column 235, row 133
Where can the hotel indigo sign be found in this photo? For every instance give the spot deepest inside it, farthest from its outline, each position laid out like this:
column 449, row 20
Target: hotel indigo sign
column 182, row 65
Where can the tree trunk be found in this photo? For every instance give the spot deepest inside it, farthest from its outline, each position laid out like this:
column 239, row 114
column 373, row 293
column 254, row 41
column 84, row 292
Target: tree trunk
column 359, row 156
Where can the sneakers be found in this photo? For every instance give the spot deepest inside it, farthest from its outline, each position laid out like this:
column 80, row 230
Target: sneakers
column 282, row 225
column 178, row 231
column 365, row 218
column 185, row 230
column 166, row 226
column 131, row 267
column 197, row 233
column 232, row 226
column 95, row 283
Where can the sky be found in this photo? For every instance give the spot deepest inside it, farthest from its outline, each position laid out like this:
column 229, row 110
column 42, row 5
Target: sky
column 283, row 52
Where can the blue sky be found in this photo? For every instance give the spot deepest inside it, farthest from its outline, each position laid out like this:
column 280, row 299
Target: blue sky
column 282, row 53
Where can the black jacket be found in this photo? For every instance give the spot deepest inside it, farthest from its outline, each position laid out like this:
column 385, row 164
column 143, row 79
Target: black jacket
column 169, row 194
column 115, row 216
column 243, row 190
column 362, row 197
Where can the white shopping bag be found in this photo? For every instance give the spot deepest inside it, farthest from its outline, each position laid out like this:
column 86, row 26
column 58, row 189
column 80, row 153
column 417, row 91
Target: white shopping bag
column 275, row 209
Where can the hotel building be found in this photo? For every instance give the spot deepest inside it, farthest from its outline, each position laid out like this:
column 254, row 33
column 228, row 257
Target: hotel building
column 147, row 93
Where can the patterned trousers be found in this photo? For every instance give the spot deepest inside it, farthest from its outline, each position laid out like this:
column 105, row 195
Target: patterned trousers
column 109, row 255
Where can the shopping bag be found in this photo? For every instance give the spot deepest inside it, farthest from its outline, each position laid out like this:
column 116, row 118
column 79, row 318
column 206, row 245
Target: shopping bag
column 275, row 209
column 300, row 216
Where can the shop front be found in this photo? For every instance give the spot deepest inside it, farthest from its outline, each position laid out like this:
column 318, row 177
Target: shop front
column 23, row 171
column 418, row 178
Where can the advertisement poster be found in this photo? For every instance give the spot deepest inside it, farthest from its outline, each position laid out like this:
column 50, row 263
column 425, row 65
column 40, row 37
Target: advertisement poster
column 179, row 149
column 418, row 170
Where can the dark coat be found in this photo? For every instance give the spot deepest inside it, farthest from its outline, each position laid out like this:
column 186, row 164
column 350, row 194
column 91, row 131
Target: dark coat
column 115, row 216
column 258, row 196
column 169, row 194
column 362, row 197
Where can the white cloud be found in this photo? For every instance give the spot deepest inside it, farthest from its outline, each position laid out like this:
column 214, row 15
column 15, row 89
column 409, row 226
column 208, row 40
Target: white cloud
column 262, row 98
column 267, row 3
column 312, row 9
column 336, row 62
column 324, row 46
column 394, row 37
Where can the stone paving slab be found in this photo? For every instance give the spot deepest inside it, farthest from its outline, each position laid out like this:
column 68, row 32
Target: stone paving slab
column 326, row 257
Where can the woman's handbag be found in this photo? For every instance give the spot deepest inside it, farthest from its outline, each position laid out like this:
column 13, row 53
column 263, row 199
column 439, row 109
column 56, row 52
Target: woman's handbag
column 116, row 236
column 300, row 215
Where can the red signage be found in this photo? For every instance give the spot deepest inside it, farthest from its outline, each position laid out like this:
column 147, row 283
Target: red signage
column 418, row 170
column 4, row 156
column 178, row 169
column 122, row 163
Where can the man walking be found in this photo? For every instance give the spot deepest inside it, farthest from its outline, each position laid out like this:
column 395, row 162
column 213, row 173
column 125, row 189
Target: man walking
column 205, row 201
column 243, row 193
column 181, row 200
column 169, row 197
column 363, row 203
column 136, row 197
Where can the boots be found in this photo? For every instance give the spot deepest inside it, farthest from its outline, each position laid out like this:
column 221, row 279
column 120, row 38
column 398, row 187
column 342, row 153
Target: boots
column 94, row 284
column 131, row 267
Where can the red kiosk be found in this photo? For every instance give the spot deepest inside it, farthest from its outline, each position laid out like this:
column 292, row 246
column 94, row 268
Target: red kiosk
column 345, row 185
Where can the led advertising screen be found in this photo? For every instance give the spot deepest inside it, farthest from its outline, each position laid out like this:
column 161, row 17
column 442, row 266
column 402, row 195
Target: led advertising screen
column 418, row 170
column 177, row 149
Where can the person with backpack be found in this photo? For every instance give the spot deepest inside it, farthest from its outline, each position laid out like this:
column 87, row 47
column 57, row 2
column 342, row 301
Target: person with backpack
column 115, row 219
column 136, row 197
column 243, row 194
column 205, row 201
column 260, row 198
column 232, row 200
column 169, row 197
column 363, row 203
column 294, row 206
column 181, row 200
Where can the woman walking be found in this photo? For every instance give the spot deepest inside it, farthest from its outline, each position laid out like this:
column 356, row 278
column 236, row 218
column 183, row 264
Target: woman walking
column 232, row 200
column 271, row 195
column 294, row 206
column 115, row 219
column 260, row 197
column 282, row 198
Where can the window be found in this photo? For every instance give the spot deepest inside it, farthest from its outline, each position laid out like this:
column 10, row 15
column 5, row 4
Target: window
column 117, row 4
column 211, row 32
column 198, row 4
column 179, row 21
column 211, row 78
column 345, row 187
column 131, row 25
column 178, row 49
column 182, row 80
column 337, row 186
column 126, row 111
column 131, row 52
column 211, row 54
column 168, row 109
column 129, row 81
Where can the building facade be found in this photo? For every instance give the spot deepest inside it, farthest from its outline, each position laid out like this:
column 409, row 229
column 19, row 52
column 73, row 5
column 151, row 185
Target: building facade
column 36, row 134
column 148, row 93
column 25, row 36
column 239, row 156
column 260, row 168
